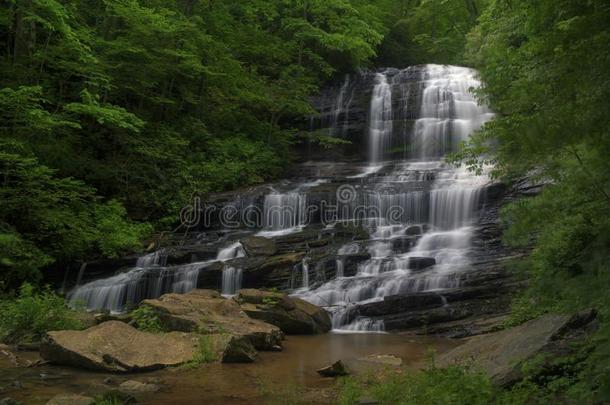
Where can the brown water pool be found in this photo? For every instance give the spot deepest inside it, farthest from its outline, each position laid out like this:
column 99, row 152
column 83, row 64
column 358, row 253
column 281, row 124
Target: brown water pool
column 271, row 377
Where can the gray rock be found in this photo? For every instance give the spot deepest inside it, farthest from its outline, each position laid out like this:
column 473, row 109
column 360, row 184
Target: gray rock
column 501, row 354
column 334, row 370
column 257, row 246
column 421, row 263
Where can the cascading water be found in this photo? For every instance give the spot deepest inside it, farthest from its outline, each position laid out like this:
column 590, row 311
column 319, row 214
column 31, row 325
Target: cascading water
column 150, row 278
column 380, row 120
column 421, row 112
column 231, row 281
column 442, row 199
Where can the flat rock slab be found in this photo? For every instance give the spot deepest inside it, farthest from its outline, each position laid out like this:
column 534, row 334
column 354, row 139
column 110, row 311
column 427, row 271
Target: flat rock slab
column 70, row 399
column 206, row 311
column 500, row 354
column 117, row 347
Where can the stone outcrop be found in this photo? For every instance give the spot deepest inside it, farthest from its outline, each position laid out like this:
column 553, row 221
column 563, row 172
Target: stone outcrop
column 118, row 347
column 207, row 312
column 293, row 316
column 500, row 355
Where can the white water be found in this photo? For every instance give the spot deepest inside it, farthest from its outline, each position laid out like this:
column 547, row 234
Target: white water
column 448, row 114
column 380, row 120
column 231, row 281
column 150, row 278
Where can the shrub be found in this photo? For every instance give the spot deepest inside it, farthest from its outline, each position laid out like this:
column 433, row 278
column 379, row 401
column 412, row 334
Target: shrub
column 146, row 319
column 32, row 313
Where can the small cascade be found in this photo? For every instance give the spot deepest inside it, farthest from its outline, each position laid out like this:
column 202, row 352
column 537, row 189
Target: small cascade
column 340, row 268
column 231, row 281
column 340, row 109
column 284, row 211
column 150, row 278
column 305, row 274
column 449, row 112
column 380, row 120
column 233, row 251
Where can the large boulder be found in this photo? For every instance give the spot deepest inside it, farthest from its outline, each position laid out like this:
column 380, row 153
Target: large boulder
column 501, row 355
column 293, row 316
column 207, row 312
column 118, row 347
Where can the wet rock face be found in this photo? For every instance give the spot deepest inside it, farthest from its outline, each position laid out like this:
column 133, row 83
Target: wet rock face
column 117, row 347
column 292, row 315
column 257, row 246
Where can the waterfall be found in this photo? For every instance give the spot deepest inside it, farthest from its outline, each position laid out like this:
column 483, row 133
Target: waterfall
column 380, row 121
column 449, row 112
column 341, row 107
column 442, row 200
column 233, row 251
column 284, row 211
column 340, row 268
column 150, row 278
column 418, row 213
column 231, row 281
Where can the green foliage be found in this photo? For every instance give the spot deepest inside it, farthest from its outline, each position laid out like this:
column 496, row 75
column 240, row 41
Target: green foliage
column 146, row 319
column 452, row 385
column 458, row 385
column 32, row 313
column 113, row 398
column 427, row 31
column 142, row 104
column 44, row 219
column 543, row 64
column 271, row 301
column 207, row 351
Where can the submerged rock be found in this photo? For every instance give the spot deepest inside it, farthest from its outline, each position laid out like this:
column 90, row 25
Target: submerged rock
column 334, row 370
column 136, row 387
column 117, row 347
column 206, row 311
column 383, row 359
column 293, row 316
